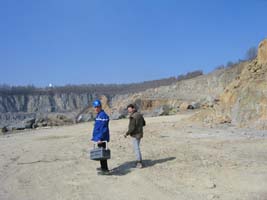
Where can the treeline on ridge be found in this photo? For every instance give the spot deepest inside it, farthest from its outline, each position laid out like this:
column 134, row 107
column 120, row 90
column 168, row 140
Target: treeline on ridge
column 107, row 89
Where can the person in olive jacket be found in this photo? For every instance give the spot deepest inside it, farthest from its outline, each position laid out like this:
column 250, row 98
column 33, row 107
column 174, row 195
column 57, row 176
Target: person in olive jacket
column 135, row 130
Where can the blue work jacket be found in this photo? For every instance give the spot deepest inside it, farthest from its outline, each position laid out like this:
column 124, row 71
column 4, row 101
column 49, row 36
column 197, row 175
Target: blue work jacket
column 101, row 129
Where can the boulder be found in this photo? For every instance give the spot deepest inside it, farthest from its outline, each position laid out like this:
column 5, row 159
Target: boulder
column 117, row 115
column 59, row 120
column 3, row 129
column 195, row 105
column 184, row 106
column 54, row 119
column 85, row 118
column 159, row 111
column 27, row 123
column 190, row 107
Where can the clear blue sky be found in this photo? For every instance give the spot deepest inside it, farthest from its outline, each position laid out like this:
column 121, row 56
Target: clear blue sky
column 123, row 41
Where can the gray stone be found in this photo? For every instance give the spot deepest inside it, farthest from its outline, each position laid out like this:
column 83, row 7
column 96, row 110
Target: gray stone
column 29, row 122
column 119, row 114
column 3, row 129
column 210, row 184
column 196, row 105
column 162, row 110
column 21, row 125
column 85, row 118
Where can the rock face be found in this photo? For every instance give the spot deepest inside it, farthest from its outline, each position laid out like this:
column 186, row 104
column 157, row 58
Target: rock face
column 236, row 95
column 153, row 102
column 202, row 90
column 262, row 52
column 44, row 103
column 47, row 110
column 244, row 101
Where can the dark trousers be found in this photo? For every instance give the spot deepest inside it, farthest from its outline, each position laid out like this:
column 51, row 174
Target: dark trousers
column 103, row 163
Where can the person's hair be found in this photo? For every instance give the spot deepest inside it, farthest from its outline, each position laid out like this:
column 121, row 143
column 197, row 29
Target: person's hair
column 131, row 106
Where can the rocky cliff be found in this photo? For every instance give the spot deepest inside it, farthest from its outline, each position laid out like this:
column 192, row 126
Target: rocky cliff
column 197, row 92
column 236, row 95
column 44, row 103
column 18, row 111
column 27, row 111
column 244, row 101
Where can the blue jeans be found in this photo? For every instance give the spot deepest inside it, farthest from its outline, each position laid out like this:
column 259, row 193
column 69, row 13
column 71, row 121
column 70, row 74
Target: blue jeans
column 136, row 145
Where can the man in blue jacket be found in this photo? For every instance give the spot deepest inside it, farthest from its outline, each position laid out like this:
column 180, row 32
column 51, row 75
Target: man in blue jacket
column 101, row 132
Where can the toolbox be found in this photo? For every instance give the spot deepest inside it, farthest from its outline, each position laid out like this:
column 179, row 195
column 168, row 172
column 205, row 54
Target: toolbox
column 100, row 153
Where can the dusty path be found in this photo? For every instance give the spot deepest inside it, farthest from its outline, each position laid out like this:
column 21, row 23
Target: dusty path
column 182, row 161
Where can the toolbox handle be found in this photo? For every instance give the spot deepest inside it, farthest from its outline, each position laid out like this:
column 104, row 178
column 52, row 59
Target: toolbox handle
column 95, row 144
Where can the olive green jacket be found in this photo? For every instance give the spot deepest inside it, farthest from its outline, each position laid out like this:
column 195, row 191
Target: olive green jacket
column 136, row 123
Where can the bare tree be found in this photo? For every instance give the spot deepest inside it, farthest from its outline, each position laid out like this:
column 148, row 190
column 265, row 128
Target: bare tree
column 190, row 75
column 219, row 67
column 230, row 64
column 251, row 53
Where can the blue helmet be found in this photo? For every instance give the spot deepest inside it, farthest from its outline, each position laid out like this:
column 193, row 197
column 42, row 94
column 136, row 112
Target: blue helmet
column 97, row 103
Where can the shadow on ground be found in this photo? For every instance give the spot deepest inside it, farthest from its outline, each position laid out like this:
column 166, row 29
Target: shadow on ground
column 126, row 167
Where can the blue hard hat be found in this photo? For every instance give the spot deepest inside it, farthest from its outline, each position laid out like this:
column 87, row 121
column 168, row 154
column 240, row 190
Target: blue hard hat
column 97, row 103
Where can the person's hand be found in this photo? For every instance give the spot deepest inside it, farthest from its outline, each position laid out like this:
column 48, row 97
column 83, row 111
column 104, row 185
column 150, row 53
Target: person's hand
column 99, row 142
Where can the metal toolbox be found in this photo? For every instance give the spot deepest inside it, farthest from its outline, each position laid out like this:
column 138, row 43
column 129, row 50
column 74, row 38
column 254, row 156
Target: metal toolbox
column 100, row 153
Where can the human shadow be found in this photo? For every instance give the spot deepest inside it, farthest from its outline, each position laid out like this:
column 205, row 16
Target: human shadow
column 127, row 167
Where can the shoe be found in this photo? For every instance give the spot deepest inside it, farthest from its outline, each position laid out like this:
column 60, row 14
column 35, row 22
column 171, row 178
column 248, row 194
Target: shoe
column 104, row 172
column 139, row 165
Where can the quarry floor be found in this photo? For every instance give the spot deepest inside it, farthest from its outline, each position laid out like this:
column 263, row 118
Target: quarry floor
column 182, row 161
